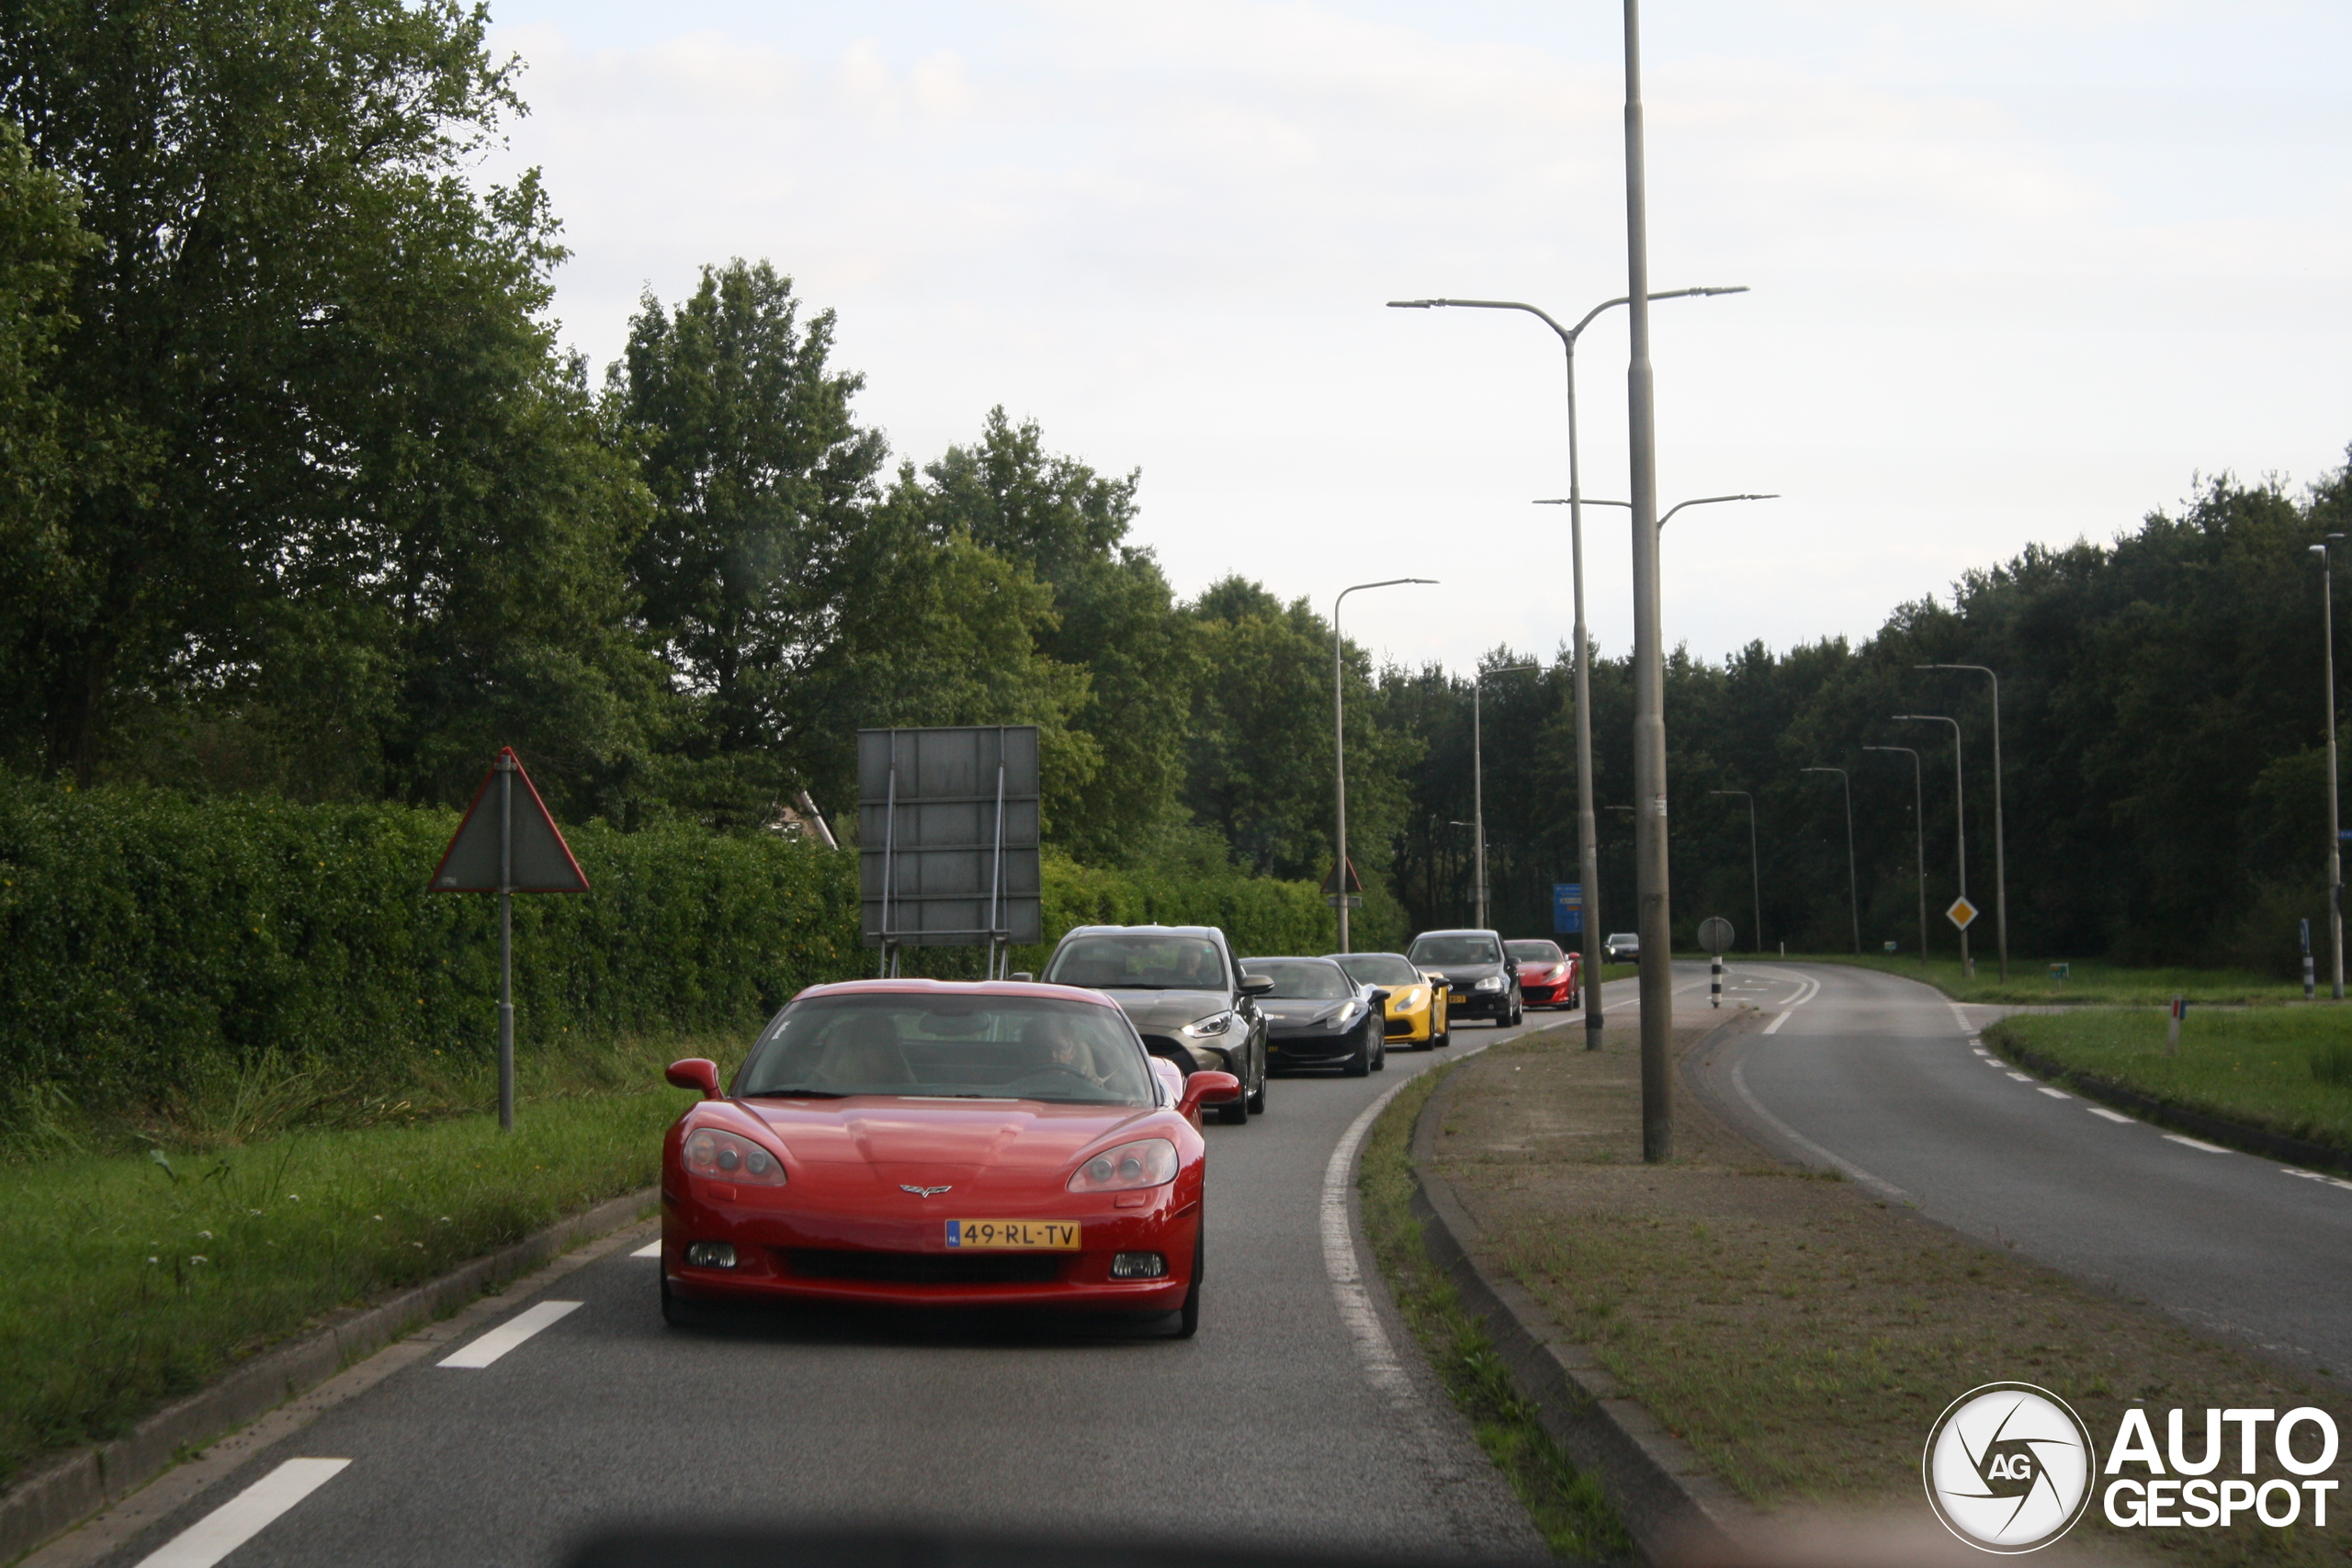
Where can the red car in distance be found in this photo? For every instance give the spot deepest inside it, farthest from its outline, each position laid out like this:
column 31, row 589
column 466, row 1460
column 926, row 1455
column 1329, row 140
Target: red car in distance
column 943, row 1143
column 1547, row 977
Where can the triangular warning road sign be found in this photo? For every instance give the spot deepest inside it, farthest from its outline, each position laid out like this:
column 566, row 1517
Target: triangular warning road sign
column 1355, row 884
column 541, row 860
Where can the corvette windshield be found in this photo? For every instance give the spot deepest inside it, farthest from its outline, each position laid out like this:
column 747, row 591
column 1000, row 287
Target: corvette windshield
column 1145, row 961
column 1301, row 979
column 1454, row 950
column 971, row 1047
column 1380, row 969
column 1536, row 952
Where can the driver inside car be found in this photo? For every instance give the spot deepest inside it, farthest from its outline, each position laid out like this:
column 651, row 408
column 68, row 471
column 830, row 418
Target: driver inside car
column 1061, row 1048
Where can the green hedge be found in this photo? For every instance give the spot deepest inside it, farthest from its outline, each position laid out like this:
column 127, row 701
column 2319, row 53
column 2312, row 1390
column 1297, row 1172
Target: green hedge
column 144, row 934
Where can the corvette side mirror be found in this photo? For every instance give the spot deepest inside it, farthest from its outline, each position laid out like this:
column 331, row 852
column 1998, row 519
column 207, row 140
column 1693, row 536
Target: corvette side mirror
column 1209, row 1088
column 695, row 1072
column 1256, row 984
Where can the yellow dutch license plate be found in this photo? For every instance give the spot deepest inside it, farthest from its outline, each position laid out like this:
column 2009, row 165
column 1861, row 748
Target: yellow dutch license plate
column 1035, row 1235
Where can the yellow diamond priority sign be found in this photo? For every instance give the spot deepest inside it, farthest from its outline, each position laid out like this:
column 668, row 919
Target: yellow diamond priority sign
column 1960, row 913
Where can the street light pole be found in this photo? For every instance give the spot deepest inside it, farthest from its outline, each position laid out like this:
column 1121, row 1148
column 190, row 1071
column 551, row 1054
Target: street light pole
column 1754, row 881
column 2000, row 849
column 1479, row 778
column 1960, row 817
column 1339, row 743
column 2335, row 832
column 1587, row 832
column 1853, row 883
column 1919, row 821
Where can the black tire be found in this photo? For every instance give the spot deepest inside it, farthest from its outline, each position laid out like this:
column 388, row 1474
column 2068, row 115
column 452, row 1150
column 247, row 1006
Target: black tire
column 676, row 1311
column 1188, row 1316
column 1441, row 1038
column 1237, row 1114
column 1360, row 1065
column 1257, row 1102
column 1380, row 1056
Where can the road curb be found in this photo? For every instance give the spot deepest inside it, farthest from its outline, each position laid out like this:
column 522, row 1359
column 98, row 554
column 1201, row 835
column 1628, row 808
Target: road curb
column 1673, row 1506
column 2238, row 1136
column 60, row 1495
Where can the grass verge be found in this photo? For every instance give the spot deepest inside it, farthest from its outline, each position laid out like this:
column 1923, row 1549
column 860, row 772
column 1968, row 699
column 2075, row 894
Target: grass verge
column 1568, row 1507
column 2090, row 982
column 2287, row 1070
column 136, row 1277
column 1798, row 1334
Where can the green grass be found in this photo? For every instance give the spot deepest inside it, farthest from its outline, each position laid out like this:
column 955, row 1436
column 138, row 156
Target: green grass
column 2284, row 1069
column 2091, row 982
column 137, row 1275
column 1568, row 1508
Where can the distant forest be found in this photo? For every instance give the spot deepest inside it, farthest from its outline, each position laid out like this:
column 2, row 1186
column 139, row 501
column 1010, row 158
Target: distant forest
column 301, row 497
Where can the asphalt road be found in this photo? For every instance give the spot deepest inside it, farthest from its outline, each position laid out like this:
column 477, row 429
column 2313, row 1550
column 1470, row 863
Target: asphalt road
column 1299, row 1415
column 1880, row 1076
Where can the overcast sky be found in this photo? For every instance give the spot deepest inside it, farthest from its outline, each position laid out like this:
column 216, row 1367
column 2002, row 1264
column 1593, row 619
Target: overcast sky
column 2021, row 268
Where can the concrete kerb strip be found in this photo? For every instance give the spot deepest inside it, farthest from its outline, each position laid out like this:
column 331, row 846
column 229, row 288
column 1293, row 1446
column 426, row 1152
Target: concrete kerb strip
column 1671, row 1503
column 58, row 1495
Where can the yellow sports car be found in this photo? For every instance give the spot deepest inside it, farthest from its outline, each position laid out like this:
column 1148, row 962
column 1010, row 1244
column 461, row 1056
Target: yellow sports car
column 1415, row 1007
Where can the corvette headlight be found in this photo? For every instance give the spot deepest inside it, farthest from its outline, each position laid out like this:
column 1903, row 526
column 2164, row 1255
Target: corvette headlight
column 1208, row 1028
column 1491, row 983
column 726, row 1156
column 1147, row 1162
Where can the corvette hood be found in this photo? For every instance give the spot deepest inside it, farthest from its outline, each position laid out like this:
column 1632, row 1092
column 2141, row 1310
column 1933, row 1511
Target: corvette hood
column 1164, row 1012
column 876, row 1142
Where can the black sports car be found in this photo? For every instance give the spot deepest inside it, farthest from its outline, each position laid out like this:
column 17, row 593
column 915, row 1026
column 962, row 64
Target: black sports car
column 1482, row 978
column 1317, row 1017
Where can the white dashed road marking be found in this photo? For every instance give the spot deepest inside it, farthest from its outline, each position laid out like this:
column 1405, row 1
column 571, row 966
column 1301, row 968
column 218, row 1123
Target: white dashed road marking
column 246, row 1516
column 650, row 1249
column 511, row 1333
column 2057, row 1094
column 2022, row 1077
column 2194, row 1143
column 2101, row 1111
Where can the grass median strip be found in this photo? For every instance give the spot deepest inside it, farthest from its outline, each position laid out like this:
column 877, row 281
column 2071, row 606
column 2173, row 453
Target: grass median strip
column 135, row 1277
column 1801, row 1335
column 1568, row 1507
column 2286, row 1070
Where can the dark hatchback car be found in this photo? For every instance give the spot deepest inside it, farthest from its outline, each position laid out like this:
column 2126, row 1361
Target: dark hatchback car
column 1185, row 995
column 1317, row 1017
column 1481, row 979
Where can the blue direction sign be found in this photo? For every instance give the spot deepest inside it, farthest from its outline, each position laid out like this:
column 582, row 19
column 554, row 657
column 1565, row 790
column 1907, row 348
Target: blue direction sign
column 1567, row 909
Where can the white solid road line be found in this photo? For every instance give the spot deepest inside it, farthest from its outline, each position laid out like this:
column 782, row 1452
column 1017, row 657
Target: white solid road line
column 1853, row 1172
column 246, row 1516
column 650, row 1249
column 2102, row 1111
column 2194, row 1143
column 1775, row 1027
column 511, row 1333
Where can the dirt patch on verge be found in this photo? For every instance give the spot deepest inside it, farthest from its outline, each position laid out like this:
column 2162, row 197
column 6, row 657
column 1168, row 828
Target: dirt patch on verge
column 1800, row 1334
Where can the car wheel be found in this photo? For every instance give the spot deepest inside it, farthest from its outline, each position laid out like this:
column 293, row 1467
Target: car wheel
column 676, row 1311
column 1188, row 1316
column 1257, row 1101
column 1441, row 1038
column 1360, row 1065
column 1237, row 1114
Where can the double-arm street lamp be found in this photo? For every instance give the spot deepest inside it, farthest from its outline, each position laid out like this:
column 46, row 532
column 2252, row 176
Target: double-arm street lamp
column 1589, row 851
column 1918, row 821
column 1959, row 812
column 1478, row 777
column 2000, row 849
column 2334, row 833
column 1339, row 877
column 1853, row 885
column 1754, row 881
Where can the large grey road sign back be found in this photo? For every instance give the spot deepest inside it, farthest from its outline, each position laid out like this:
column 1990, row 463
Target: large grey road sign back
column 947, row 836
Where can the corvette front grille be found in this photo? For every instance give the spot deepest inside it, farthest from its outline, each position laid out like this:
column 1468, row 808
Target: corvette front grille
column 926, row 1268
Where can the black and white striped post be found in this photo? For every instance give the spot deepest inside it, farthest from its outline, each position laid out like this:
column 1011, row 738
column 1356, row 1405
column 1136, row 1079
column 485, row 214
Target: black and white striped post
column 1716, row 936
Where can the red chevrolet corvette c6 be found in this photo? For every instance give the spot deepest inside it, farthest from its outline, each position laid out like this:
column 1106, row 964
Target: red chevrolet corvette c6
column 936, row 1143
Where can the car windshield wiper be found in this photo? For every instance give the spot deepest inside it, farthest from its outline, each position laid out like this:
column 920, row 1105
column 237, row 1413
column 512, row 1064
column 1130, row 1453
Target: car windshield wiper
column 795, row 1094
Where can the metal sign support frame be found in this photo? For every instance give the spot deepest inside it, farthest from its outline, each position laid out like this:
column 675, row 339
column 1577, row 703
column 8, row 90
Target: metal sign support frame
column 999, row 939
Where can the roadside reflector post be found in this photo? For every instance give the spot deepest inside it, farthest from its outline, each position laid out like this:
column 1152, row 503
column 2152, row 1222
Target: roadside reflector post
column 2172, row 1029
column 2311, row 975
column 496, row 851
column 1715, row 981
column 1716, row 936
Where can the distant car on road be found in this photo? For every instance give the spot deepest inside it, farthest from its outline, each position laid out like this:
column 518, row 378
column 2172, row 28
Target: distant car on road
column 1318, row 1016
column 1417, row 1013
column 1186, row 994
column 1625, row 947
column 1481, row 980
column 1547, row 977
column 858, row 1155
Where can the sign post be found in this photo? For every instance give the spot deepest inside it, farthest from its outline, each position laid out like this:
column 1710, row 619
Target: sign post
column 1716, row 936
column 493, row 852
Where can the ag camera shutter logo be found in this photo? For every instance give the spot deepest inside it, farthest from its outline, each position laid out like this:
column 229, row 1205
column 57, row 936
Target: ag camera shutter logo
column 2009, row 1466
